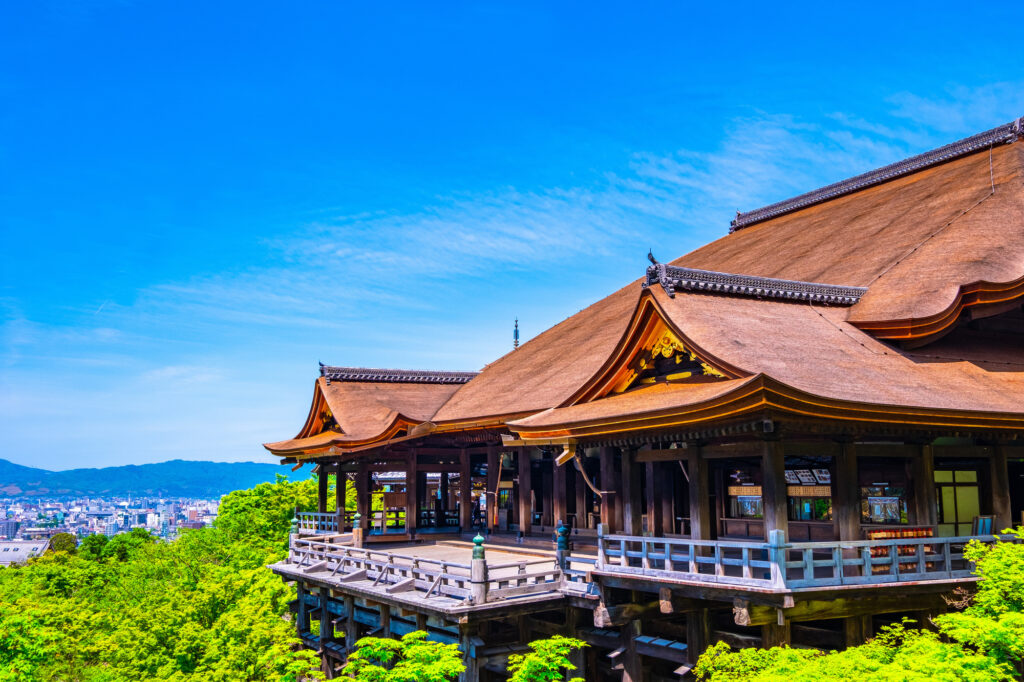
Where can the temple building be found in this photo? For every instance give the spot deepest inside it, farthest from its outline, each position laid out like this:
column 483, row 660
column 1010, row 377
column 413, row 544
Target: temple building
column 785, row 436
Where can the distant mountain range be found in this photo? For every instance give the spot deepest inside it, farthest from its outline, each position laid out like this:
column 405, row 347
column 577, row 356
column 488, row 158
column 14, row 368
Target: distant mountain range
column 176, row 478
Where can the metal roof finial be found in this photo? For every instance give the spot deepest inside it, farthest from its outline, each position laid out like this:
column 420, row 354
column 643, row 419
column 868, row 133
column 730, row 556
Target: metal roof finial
column 515, row 335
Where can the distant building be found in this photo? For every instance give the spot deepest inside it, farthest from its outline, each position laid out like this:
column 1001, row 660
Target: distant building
column 9, row 528
column 19, row 551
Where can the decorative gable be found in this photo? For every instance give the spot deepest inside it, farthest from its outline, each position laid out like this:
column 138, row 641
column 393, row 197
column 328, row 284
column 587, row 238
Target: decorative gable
column 651, row 351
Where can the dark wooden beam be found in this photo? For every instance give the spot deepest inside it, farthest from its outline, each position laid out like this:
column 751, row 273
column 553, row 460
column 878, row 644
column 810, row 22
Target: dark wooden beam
column 846, row 493
column 700, row 509
column 923, row 467
column 773, row 488
column 655, row 511
column 606, row 484
column 632, row 502
column 465, row 493
column 999, row 483
column 493, row 470
column 751, row 615
column 525, row 488
column 698, row 633
column 321, row 491
column 559, row 492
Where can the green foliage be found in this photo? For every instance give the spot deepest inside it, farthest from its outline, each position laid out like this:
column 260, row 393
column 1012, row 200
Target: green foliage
column 994, row 622
column 548, row 661
column 63, row 542
column 983, row 642
column 413, row 658
column 130, row 608
column 897, row 653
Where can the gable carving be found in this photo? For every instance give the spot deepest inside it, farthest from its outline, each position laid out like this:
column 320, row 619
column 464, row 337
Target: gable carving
column 651, row 351
column 667, row 360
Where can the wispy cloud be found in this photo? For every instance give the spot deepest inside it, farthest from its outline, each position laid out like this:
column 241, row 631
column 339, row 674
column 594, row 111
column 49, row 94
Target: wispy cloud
column 384, row 284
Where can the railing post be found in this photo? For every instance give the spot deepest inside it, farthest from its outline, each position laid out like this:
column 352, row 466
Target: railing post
column 562, row 545
column 602, row 529
column 478, row 572
column 777, row 556
column 295, row 522
column 357, row 531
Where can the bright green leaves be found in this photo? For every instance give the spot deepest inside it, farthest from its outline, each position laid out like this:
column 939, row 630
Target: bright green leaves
column 413, row 658
column 548, row 661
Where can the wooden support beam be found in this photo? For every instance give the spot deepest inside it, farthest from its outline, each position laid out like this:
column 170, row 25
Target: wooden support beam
column 632, row 670
column 857, row 629
column 326, row 627
column 700, row 509
column 302, row 617
column 353, row 576
column 622, row 614
column 406, row 585
column 559, row 493
column 751, row 615
column 606, row 484
column 632, row 501
column 321, row 488
column 673, row 603
column 846, row 493
column 385, row 620
column 493, row 471
column 923, row 467
column 525, row 490
column 999, row 484
column 351, row 627
column 698, row 633
column 340, row 480
column 666, row 491
column 773, row 488
column 412, row 494
column 465, row 492
column 655, row 520
column 775, row 634
column 313, row 568
column 581, row 491
column 362, row 485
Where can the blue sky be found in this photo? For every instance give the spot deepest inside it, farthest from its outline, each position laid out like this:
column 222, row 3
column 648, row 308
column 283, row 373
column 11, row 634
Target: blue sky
column 199, row 201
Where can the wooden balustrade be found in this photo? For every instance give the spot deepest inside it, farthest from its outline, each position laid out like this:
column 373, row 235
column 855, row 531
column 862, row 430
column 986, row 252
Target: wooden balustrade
column 400, row 572
column 779, row 565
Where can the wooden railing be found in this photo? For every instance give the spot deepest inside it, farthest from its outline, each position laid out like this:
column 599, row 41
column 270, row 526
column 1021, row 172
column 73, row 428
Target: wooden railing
column 785, row 566
column 316, row 523
column 478, row 582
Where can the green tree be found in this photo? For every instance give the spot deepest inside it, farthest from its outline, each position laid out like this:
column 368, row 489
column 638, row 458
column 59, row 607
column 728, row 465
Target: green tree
column 548, row 661
column 92, row 546
column 413, row 658
column 63, row 542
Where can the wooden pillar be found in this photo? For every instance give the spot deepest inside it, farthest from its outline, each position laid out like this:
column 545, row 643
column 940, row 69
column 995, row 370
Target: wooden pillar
column 547, row 495
column 559, row 493
column 775, row 635
column 493, row 471
column 525, row 490
column 302, row 617
column 698, row 633
column 608, row 478
column 655, row 510
column 773, row 489
column 857, row 630
column 632, row 670
column 321, row 489
column 577, row 657
column 581, row 490
column 326, row 629
column 665, row 490
column 412, row 494
column 351, row 627
column 999, row 484
column 700, row 507
column 465, row 493
column 362, row 485
column 632, row 502
column 846, row 493
column 339, row 496
column 924, row 487
column 385, row 620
